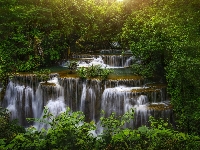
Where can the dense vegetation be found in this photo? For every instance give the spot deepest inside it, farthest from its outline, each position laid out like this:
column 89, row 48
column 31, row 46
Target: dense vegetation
column 69, row 131
column 94, row 71
column 163, row 34
column 165, row 37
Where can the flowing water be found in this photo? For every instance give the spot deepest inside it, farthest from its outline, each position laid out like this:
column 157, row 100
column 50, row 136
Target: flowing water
column 26, row 97
column 108, row 61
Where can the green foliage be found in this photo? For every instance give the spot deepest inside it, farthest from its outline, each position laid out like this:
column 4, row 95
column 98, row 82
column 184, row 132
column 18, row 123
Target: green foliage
column 81, row 72
column 39, row 33
column 68, row 130
column 158, row 136
column 183, row 85
column 72, row 66
column 43, row 74
column 93, row 71
column 30, row 64
column 145, row 31
column 112, row 126
column 164, row 36
column 104, row 73
column 9, row 129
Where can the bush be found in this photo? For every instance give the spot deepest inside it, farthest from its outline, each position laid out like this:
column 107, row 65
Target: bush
column 72, row 66
column 158, row 136
column 8, row 129
column 43, row 74
column 93, row 71
column 69, row 131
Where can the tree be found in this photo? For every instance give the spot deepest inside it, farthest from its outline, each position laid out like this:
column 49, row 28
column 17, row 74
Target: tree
column 164, row 36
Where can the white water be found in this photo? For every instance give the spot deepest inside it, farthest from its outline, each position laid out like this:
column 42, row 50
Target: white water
column 83, row 97
column 105, row 61
column 129, row 61
column 90, row 96
column 29, row 96
column 37, row 103
column 55, row 107
column 94, row 62
column 120, row 100
column 13, row 95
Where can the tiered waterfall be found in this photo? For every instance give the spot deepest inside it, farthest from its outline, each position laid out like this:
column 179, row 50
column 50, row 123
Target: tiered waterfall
column 26, row 97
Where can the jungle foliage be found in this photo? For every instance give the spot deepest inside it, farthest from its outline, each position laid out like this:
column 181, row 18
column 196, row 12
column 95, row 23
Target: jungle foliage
column 42, row 74
column 9, row 129
column 93, row 71
column 68, row 130
column 163, row 34
column 41, row 33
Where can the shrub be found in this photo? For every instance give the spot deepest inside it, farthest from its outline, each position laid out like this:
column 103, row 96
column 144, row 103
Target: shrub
column 43, row 74
column 93, row 71
column 8, row 129
column 159, row 136
column 72, row 66
column 69, row 131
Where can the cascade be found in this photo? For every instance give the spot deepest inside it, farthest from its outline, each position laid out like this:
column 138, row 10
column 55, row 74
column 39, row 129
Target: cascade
column 104, row 60
column 129, row 61
column 26, row 96
column 26, row 99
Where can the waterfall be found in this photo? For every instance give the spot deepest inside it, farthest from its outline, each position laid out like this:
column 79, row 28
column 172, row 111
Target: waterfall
column 109, row 61
column 129, row 61
column 14, row 99
column 120, row 100
column 83, row 97
column 56, row 106
column 95, row 61
column 29, row 97
column 92, row 96
column 25, row 98
column 37, row 102
column 141, row 111
column 113, row 100
column 142, row 100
